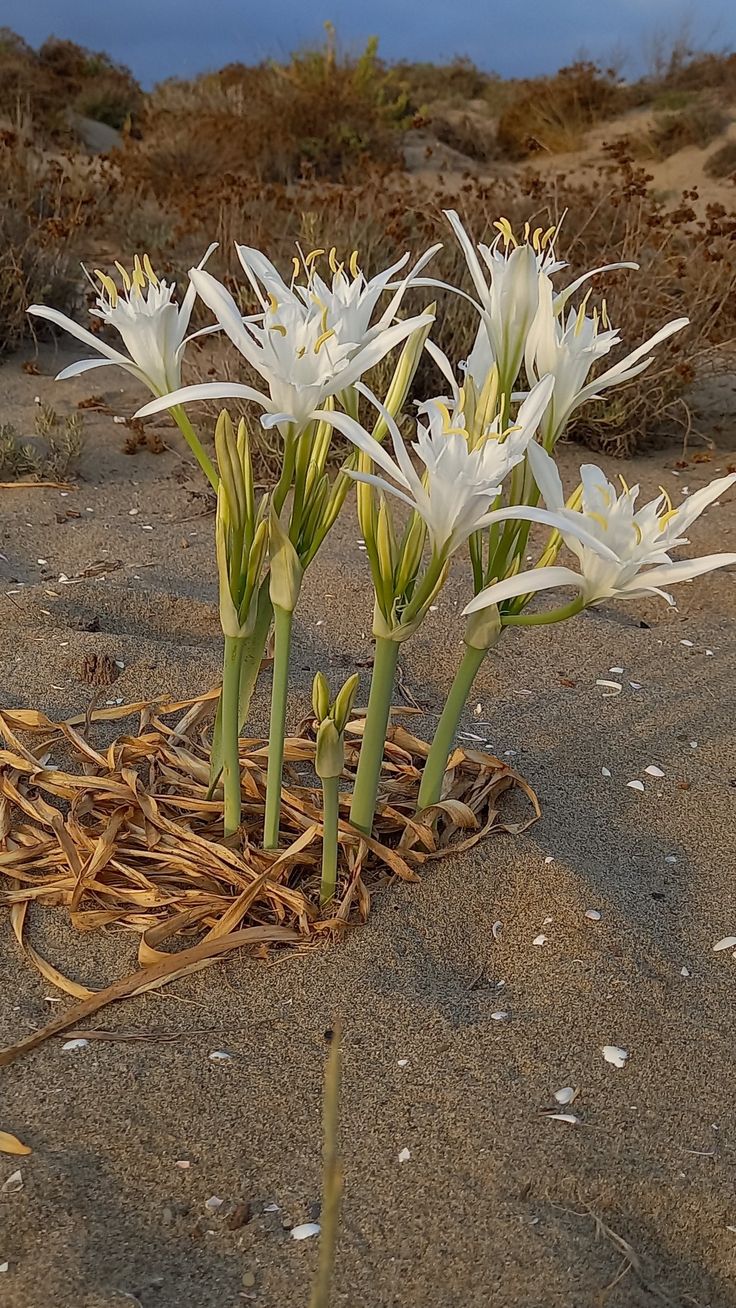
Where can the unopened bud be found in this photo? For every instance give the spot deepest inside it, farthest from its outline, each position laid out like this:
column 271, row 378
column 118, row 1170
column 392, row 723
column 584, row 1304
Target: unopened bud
column 286, row 570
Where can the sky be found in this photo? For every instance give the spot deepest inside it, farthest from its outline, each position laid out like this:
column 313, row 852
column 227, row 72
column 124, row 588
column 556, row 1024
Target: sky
column 162, row 38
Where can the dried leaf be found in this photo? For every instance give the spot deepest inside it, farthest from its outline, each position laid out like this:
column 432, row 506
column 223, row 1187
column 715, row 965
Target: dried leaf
column 10, row 1144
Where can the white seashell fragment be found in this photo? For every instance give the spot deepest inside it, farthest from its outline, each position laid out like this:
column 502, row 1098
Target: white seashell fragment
column 496, row 929
column 539, row 940
column 605, row 772
column 219, row 1056
column 615, row 1055
column 654, row 771
column 306, row 1230
column 213, row 1203
column 14, row 1183
column 567, row 1095
column 500, row 1016
column 404, row 1155
column 611, row 688
column 728, row 942
column 593, row 915
column 570, row 1118
column 70, row 1046
column 635, row 785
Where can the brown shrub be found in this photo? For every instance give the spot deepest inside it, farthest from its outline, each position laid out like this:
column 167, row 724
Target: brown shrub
column 722, row 162
column 553, row 113
column 696, row 124
column 321, row 115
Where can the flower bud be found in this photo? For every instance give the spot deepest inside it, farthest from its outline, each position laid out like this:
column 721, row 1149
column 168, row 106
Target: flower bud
column 320, row 697
column 483, row 629
column 344, row 700
column 286, row 570
column 329, row 756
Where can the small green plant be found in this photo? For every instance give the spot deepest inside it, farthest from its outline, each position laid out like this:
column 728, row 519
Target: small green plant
column 50, row 454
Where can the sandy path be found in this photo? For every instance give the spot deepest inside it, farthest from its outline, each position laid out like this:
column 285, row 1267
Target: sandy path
column 495, row 1204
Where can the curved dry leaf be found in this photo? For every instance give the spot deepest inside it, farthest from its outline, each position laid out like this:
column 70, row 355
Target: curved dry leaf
column 10, row 1144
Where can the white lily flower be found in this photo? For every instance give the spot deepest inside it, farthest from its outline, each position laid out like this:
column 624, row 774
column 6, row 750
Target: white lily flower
column 457, row 484
column 567, row 347
column 348, row 301
column 629, row 557
column 507, row 279
column 303, row 346
column 152, row 326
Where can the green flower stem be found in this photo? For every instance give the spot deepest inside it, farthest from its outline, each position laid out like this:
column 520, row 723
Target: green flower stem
column 434, row 768
column 282, row 646
column 251, row 657
column 330, row 813
column 542, row 619
column 230, row 756
column 374, row 734
column 195, row 445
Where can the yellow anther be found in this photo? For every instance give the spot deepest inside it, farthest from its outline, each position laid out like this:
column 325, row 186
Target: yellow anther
column 527, row 230
column 332, row 259
column 666, row 497
column 321, row 340
column 273, row 303
column 604, row 315
column 536, row 238
column 548, row 235
column 124, row 275
column 624, row 485
column 296, row 266
column 312, row 257
column 637, row 533
column 108, row 286
column 150, row 274
column 667, row 518
column 354, row 269
column 504, row 227
column 598, row 517
column 278, row 327
column 444, row 413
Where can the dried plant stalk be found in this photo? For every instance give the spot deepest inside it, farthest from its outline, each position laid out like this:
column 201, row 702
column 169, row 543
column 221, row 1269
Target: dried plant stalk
column 129, row 835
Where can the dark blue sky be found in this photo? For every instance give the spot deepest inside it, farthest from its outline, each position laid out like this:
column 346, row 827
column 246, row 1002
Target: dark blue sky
column 159, row 38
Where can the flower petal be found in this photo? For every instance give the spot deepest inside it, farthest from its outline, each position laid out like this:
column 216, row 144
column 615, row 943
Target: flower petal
column 203, row 391
column 81, row 333
column 524, row 583
column 683, row 570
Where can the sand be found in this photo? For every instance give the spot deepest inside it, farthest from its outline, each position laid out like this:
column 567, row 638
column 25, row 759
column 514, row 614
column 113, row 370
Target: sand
column 496, row 1205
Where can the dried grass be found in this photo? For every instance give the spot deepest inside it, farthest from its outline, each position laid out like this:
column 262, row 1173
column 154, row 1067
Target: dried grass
column 129, row 836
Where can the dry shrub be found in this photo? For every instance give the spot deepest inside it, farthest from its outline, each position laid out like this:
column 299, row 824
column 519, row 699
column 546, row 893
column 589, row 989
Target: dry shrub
column 696, row 124
column 60, row 77
column 323, row 114
column 687, row 267
column 722, row 162
column 49, row 206
column 553, row 113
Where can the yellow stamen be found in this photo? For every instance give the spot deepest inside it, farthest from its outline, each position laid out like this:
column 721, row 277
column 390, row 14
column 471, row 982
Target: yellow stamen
column 332, row 259
column 667, row 517
column 548, row 235
column 108, row 286
column 124, row 275
column 624, row 485
column 273, row 303
column 527, row 230
column 598, row 517
column 504, row 227
column 638, row 533
column 536, row 238
column 354, row 269
column 321, row 340
column 150, row 274
column 312, row 257
column 604, row 315
column 278, row 327
column 444, row 413
column 667, row 499
column 296, row 266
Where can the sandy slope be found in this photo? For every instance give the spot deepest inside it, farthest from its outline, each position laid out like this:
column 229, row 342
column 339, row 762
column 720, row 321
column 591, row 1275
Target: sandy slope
column 496, row 1205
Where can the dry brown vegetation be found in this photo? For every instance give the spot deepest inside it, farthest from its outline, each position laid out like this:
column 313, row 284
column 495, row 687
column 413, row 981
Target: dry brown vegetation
column 313, row 151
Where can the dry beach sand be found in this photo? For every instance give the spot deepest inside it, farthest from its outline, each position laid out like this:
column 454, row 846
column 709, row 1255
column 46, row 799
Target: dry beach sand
column 496, row 1204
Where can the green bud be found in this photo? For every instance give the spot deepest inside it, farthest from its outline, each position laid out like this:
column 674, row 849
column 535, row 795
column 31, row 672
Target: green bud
column 231, row 472
column 286, row 570
column 411, row 553
column 229, row 619
column 329, row 756
column 385, row 542
column 483, row 629
column 404, row 374
column 344, row 700
column 320, row 697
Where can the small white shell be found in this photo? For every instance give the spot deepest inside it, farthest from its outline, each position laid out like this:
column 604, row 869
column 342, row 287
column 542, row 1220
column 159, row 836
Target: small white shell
column 213, row 1203
column 611, row 688
column 70, row 1046
column 615, row 1055
column 304, row 1231
column 539, row 940
column 570, row 1118
column 567, row 1095
column 654, row 771
column 500, row 1016
column 404, row 1155
column 728, row 942
column 219, row 1056
column 593, row 914
column 635, row 785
